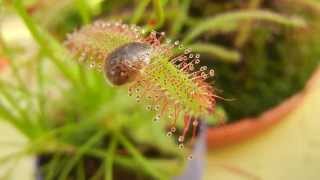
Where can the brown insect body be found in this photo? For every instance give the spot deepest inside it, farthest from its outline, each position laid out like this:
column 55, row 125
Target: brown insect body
column 123, row 65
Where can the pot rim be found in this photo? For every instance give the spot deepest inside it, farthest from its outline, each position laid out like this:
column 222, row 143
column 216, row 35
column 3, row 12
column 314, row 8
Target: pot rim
column 249, row 127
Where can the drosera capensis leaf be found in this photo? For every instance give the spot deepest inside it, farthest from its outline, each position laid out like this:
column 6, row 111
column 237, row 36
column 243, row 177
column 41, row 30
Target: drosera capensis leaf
column 92, row 43
column 230, row 20
column 173, row 86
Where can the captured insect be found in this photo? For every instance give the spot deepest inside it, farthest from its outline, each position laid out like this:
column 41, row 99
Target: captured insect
column 172, row 85
column 123, row 65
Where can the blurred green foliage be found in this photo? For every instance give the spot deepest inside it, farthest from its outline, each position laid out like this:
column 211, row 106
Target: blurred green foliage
column 253, row 45
column 263, row 52
column 260, row 61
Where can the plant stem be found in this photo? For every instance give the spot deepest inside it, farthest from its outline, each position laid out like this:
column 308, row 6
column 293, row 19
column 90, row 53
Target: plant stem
column 139, row 158
column 182, row 16
column 53, row 166
column 13, row 65
column 81, row 171
column 223, row 54
column 8, row 116
column 159, row 12
column 80, row 152
column 84, row 10
column 109, row 160
column 25, row 123
column 139, row 11
column 230, row 20
column 245, row 29
column 44, row 41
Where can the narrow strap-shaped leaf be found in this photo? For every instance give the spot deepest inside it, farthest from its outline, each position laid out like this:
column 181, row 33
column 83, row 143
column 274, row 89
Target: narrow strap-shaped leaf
column 225, row 20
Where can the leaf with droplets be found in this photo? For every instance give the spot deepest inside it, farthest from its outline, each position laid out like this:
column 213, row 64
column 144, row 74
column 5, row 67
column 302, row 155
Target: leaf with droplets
column 173, row 86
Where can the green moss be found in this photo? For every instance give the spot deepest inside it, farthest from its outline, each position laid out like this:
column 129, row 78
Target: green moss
column 275, row 61
column 274, row 67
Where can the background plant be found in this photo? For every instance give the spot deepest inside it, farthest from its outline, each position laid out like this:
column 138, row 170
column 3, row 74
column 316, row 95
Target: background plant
column 259, row 48
column 246, row 40
column 89, row 118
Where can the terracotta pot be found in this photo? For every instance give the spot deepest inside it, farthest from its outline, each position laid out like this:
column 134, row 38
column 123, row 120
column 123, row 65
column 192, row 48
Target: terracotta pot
column 246, row 128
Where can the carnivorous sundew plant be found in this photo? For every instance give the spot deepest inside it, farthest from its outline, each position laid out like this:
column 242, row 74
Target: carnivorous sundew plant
column 172, row 84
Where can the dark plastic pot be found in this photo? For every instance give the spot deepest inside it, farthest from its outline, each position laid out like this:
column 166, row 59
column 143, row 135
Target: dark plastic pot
column 194, row 169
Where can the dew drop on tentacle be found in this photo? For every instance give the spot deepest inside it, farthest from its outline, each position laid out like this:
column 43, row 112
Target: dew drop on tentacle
column 92, row 65
column 195, row 124
column 181, row 139
column 160, row 36
column 124, row 26
column 187, row 121
column 211, row 72
column 168, row 41
column 132, row 27
column 169, row 134
column 204, row 75
column 99, row 67
column 191, row 67
column 187, row 51
column 157, row 107
column 181, row 146
column 82, row 57
column 149, row 108
column 156, row 118
column 137, row 90
column 117, row 23
column 190, row 157
column 138, row 98
column 203, row 68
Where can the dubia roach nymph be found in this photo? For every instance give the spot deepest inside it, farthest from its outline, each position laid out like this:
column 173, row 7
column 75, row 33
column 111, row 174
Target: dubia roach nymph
column 173, row 86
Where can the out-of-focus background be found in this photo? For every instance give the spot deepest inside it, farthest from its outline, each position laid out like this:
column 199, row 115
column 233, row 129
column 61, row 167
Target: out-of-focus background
column 61, row 120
